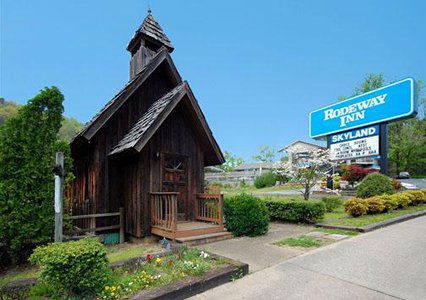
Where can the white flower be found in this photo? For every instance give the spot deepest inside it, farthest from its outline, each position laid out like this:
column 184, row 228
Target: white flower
column 204, row 254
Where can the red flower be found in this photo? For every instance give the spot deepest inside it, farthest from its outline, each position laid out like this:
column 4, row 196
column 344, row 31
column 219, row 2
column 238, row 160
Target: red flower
column 149, row 257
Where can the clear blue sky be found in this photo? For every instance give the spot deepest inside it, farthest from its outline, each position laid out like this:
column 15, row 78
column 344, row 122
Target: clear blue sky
column 257, row 67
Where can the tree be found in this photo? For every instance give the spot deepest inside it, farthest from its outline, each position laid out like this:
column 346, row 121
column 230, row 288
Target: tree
column 70, row 127
column 7, row 110
column 371, row 81
column 266, row 155
column 231, row 162
column 407, row 141
column 308, row 169
column 28, row 142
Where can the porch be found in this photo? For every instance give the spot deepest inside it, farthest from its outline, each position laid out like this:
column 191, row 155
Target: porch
column 208, row 220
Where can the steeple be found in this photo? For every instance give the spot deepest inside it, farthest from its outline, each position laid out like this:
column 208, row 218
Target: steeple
column 145, row 43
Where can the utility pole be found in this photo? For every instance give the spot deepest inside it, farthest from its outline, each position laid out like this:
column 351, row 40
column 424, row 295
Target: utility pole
column 58, row 170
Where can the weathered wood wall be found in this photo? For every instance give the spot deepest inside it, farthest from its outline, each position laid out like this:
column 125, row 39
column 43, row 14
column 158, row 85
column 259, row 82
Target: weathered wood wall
column 103, row 183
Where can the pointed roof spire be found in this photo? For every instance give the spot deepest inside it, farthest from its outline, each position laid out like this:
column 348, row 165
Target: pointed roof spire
column 152, row 31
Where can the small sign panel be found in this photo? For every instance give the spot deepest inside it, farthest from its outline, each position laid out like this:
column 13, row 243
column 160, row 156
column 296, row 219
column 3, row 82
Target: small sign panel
column 389, row 103
column 355, row 143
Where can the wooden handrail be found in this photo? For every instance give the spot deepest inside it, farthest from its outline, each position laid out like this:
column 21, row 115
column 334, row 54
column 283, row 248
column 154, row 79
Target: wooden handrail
column 164, row 210
column 209, row 207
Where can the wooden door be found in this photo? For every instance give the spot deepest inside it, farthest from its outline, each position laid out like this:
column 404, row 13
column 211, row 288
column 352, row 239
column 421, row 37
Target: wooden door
column 174, row 172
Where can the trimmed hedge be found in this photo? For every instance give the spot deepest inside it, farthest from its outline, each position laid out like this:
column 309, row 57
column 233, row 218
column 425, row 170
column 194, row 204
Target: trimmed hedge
column 246, row 215
column 384, row 203
column 79, row 267
column 374, row 184
column 265, row 180
column 295, row 210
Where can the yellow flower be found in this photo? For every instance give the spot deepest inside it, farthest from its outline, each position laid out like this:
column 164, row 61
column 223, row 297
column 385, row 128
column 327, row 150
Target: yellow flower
column 113, row 288
column 112, row 294
column 158, row 260
column 106, row 288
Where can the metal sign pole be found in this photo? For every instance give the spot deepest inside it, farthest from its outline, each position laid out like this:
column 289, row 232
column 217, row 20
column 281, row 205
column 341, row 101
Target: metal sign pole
column 384, row 146
column 59, row 174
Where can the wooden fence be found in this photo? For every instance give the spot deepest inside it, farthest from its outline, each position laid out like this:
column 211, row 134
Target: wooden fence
column 93, row 217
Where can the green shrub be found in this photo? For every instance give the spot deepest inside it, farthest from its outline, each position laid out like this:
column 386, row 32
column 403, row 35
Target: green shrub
column 375, row 205
column 295, row 210
column 401, row 199
column 331, row 203
column 356, row 207
column 374, row 184
column 416, row 197
column 246, row 215
column 389, row 202
column 265, row 180
column 79, row 267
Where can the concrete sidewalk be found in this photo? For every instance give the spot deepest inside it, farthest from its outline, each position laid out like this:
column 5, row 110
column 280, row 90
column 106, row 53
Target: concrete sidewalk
column 259, row 252
column 389, row 263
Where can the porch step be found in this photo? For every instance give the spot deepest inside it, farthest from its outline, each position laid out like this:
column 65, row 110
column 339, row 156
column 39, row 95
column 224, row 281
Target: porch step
column 204, row 238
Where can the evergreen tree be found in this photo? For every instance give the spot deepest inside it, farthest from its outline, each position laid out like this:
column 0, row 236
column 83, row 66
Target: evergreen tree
column 28, row 142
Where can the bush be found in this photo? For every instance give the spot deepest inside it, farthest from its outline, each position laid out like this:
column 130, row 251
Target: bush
column 416, row 197
column 396, row 184
column 79, row 267
column 374, row 185
column 265, row 180
column 246, row 215
column 295, row 210
column 389, row 202
column 375, row 205
column 356, row 207
column 402, row 200
column 354, row 174
column 331, row 203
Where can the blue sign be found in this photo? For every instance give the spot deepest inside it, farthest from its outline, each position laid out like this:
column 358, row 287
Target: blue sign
column 354, row 134
column 389, row 103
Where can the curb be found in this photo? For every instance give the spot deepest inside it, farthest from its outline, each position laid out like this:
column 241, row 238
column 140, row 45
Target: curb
column 377, row 225
column 192, row 285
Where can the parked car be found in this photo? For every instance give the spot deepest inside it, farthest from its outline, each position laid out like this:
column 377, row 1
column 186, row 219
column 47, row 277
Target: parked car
column 403, row 175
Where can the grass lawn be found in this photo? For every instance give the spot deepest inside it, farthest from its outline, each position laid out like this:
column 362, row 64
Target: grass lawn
column 339, row 217
column 336, row 231
column 251, row 189
column 300, row 241
column 115, row 253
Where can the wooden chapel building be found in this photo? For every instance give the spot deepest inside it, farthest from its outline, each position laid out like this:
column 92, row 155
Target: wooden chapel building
column 147, row 148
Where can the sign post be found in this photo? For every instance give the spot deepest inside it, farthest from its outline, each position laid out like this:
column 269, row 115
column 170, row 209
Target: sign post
column 58, row 170
column 384, row 147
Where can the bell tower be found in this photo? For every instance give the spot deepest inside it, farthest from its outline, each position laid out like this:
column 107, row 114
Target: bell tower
column 145, row 43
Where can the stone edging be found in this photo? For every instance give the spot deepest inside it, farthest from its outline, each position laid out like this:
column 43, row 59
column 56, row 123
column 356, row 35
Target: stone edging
column 377, row 225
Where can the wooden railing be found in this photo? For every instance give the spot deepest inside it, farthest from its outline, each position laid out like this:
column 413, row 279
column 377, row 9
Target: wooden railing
column 93, row 217
column 164, row 210
column 209, row 207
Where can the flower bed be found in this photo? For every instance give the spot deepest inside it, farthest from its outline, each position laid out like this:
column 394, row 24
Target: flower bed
column 151, row 273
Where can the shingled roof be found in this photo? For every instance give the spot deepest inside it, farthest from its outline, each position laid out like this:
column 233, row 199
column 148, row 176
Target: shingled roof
column 109, row 108
column 151, row 29
column 146, row 121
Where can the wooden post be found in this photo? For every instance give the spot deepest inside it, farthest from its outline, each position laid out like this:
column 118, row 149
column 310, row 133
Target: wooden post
column 121, row 225
column 59, row 174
